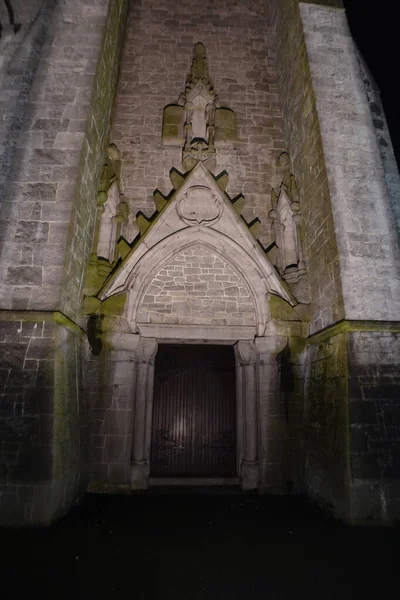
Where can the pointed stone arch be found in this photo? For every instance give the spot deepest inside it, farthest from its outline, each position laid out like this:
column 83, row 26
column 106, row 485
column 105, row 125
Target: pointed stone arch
column 197, row 286
column 151, row 261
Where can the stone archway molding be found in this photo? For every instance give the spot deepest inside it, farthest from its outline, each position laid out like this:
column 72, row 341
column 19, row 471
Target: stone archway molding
column 259, row 280
column 182, row 222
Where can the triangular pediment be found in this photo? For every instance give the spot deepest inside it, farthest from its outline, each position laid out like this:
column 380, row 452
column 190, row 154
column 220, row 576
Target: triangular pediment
column 197, row 210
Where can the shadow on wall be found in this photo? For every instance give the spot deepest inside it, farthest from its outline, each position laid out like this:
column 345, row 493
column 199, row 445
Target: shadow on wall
column 22, row 35
column 286, row 377
column 375, row 32
column 7, row 19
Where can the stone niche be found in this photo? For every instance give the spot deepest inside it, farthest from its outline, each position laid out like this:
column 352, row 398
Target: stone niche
column 285, row 218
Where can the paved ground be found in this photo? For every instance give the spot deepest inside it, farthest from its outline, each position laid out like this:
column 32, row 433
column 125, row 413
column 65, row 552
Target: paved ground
column 199, row 547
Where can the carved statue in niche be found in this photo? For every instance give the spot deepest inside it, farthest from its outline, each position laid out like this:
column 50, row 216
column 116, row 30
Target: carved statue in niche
column 285, row 218
column 197, row 123
column 111, row 213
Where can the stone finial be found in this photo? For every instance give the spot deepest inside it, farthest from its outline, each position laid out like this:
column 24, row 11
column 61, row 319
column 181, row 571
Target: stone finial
column 199, row 71
column 197, row 123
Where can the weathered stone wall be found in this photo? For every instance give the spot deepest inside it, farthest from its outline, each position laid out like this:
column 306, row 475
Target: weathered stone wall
column 303, row 138
column 47, row 215
column 197, row 288
column 280, row 402
column 42, row 420
column 110, row 403
column 350, row 244
column 16, row 32
column 374, row 416
column 26, row 418
column 369, row 256
column 325, row 423
column 156, row 61
column 56, row 164
column 383, row 138
column 347, row 222
column 352, row 422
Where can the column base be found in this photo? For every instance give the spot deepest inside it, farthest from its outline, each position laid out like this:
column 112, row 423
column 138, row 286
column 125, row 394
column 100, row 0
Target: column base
column 139, row 475
column 249, row 475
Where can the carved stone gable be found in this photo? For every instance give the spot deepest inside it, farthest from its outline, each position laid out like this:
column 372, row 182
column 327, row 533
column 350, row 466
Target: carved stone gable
column 167, row 271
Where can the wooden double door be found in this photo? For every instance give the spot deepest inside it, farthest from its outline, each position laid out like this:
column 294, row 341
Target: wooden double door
column 194, row 412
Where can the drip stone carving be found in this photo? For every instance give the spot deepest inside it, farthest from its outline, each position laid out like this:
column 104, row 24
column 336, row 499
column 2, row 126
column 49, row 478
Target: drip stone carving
column 197, row 123
column 285, row 219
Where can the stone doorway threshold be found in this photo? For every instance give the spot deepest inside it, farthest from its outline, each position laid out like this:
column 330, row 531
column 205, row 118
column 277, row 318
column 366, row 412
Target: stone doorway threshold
column 193, row 481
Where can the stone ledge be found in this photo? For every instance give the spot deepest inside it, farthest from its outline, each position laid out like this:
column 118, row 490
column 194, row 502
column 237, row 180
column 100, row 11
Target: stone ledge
column 197, row 332
column 326, row 3
column 348, row 325
column 40, row 315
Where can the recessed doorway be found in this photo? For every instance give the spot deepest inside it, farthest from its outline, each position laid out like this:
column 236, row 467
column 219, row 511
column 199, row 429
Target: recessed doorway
column 194, row 412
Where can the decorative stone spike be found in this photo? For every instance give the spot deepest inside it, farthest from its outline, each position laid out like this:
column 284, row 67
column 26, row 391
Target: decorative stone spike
column 159, row 200
column 142, row 222
column 274, row 198
column 294, row 193
column 123, row 247
column 223, row 180
column 176, row 178
column 254, row 227
column 272, row 253
column 238, row 203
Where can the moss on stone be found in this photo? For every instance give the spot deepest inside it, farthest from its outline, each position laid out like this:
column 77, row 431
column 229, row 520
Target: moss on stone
column 114, row 305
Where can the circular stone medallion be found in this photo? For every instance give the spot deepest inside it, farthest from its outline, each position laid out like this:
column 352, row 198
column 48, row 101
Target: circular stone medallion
column 199, row 206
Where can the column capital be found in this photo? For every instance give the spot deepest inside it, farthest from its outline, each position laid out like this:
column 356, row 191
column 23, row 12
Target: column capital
column 146, row 351
column 245, row 352
column 121, row 341
column 270, row 345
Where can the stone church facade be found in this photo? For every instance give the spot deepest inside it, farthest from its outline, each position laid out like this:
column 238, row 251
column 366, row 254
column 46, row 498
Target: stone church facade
column 199, row 271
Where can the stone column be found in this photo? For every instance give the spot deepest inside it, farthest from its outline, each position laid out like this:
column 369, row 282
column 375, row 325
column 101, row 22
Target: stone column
column 271, row 425
column 116, row 413
column 246, row 358
column 145, row 355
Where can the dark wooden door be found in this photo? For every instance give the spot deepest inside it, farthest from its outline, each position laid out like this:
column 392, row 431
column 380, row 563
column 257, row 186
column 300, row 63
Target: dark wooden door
column 194, row 412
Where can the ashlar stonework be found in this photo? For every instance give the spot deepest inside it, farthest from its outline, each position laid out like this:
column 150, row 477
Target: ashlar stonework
column 197, row 288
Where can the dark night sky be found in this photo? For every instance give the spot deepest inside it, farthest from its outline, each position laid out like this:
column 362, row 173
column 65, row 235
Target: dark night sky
column 375, row 28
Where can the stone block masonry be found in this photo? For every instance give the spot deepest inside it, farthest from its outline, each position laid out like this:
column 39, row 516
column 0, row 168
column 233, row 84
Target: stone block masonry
column 197, row 288
column 55, row 156
column 42, row 419
column 156, row 61
column 48, row 209
column 353, row 259
column 320, row 413
column 374, row 418
column 303, row 136
column 369, row 258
